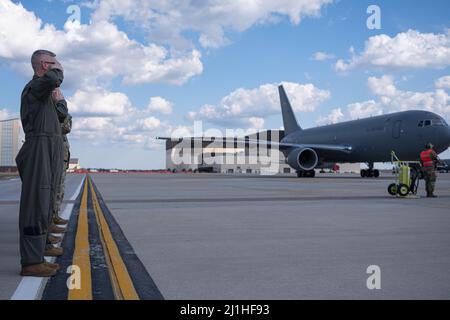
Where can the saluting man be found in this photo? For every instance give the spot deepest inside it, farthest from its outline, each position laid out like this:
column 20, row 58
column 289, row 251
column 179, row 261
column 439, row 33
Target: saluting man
column 429, row 159
column 42, row 110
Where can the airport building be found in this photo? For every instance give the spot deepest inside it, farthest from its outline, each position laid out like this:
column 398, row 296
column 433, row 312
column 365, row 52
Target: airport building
column 230, row 156
column 74, row 164
column 217, row 155
column 349, row 167
column 11, row 140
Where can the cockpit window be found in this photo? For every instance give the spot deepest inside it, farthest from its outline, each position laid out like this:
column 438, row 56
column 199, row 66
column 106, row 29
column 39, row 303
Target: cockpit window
column 433, row 122
column 438, row 122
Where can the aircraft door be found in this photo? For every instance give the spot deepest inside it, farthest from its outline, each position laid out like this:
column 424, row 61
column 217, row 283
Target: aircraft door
column 436, row 136
column 397, row 129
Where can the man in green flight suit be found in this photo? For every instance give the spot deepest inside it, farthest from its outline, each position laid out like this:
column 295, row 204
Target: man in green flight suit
column 42, row 110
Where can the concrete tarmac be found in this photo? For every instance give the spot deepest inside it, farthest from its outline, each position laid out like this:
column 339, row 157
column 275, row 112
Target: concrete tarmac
column 211, row 236
column 9, row 231
column 208, row 236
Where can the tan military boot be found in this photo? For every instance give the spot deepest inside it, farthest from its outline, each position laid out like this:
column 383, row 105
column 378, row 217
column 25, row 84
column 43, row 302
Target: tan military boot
column 53, row 252
column 55, row 229
column 51, row 265
column 37, row 270
column 60, row 221
column 53, row 239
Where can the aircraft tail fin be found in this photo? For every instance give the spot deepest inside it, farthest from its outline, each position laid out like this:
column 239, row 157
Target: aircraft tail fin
column 289, row 120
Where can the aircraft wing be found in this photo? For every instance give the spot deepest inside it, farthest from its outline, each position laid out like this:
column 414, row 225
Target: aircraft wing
column 321, row 148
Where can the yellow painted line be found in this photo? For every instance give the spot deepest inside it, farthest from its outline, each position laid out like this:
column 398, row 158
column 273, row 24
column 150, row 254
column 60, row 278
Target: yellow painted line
column 120, row 278
column 81, row 253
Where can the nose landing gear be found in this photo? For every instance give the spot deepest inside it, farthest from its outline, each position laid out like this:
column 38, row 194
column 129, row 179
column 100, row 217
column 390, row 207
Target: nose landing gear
column 370, row 173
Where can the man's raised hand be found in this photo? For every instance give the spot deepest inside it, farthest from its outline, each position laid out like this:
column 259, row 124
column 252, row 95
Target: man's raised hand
column 57, row 95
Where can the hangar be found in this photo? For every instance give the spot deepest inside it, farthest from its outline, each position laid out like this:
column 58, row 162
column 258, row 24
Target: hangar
column 213, row 154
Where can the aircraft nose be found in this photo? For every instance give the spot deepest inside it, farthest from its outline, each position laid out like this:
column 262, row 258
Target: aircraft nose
column 445, row 136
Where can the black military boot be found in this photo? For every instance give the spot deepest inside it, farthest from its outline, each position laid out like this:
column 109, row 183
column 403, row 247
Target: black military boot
column 60, row 221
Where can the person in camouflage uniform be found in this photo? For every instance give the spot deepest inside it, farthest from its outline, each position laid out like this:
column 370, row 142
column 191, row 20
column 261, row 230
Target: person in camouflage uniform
column 429, row 160
column 57, row 221
column 66, row 127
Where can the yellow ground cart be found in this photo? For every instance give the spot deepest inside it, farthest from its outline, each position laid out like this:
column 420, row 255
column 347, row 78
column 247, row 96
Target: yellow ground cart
column 407, row 177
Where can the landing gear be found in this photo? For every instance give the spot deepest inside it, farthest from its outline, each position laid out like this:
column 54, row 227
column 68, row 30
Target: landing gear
column 370, row 173
column 306, row 174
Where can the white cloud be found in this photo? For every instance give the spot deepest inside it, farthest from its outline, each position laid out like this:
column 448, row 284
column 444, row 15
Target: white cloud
column 443, row 83
column 91, row 128
column 166, row 20
column 101, row 118
column 256, row 123
column 364, row 109
column 158, row 104
column 335, row 116
column 321, row 56
column 137, row 130
column 99, row 102
column 391, row 99
column 398, row 100
column 383, row 86
column 148, row 124
column 340, row 66
column 411, row 49
column 91, row 53
column 248, row 107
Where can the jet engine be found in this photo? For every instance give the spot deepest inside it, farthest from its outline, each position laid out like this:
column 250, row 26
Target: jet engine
column 304, row 159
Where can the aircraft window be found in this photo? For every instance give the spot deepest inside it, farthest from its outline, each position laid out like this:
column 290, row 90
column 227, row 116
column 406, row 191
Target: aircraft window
column 421, row 124
column 438, row 122
column 427, row 123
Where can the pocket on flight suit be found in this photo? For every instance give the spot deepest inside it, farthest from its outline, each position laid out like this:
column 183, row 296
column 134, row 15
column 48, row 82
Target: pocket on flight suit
column 21, row 158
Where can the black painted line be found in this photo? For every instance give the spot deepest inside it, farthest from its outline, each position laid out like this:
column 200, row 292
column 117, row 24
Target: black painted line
column 142, row 281
column 56, row 287
column 100, row 276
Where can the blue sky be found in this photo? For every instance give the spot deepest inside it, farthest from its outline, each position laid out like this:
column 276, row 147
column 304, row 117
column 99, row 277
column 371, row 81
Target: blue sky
column 245, row 54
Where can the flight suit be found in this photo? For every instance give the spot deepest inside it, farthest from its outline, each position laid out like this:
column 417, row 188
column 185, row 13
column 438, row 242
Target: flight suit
column 66, row 127
column 429, row 158
column 39, row 161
